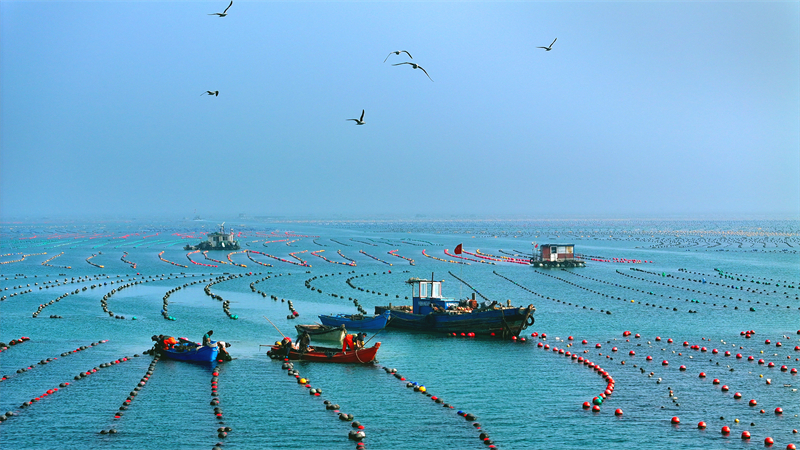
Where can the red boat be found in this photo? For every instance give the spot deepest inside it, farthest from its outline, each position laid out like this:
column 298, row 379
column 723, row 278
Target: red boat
column 360, row 356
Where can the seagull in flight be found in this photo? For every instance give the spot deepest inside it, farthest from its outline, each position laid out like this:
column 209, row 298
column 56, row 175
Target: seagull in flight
column 397, row 53
column 214, row 93
column 547, row 49
column 416, row 66
column 359, row 121
column 223, row 13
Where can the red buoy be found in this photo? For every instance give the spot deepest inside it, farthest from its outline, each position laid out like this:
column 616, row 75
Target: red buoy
column 737, row 396
column 724, row 388
column 596, row 408
column 753, row 402
column 701, row 425
column 778, row 410
column 726, row 430
column 745, row 434
column 675, row 420
column 665, row 363
column 586, row 405
column 618, row 412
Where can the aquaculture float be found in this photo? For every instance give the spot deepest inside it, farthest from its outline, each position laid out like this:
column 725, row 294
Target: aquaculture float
column 432, row 312
column 323, row 333
column 219, row 240
column 330, row 355
column 357, row 321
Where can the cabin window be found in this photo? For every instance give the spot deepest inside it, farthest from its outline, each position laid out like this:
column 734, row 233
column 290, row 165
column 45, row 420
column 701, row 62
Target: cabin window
column 423, row 290
column 436, row 290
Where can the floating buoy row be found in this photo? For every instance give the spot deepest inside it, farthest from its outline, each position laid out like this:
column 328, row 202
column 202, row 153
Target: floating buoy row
column 469, row 417
column 189, row 257
column 222, row 431
column 357, row 433
column 321, row 245
column 225, row 303
column 55, row 300
column 545, row 297
column 165, row 307
column 443, row 260
column 317, row 254
column 375, row 257
column 124, row 254
column 467, row 285
column 205, row 254
column 342, row 243
column 47, row 262
column 170, row 262
column 500, row 258
column 233, row 253
column 13, row 342
column 132, row 396
column 131, row 283
column 21, row 259
column 786, row 284
column 349, row 282
column 301, row 263
column 294, row 313
column 364, row 242
column 698, row 291
column 394, row 253
column 301, row 260
column 94, row 264
column 598, row 292
column 447, row 252
column 255, row 260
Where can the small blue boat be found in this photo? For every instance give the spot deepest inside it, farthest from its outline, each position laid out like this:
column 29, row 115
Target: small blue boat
column 191, row 352
column 357, row 321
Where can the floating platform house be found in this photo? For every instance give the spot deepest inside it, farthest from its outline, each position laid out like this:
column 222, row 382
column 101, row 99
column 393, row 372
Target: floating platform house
column 557, row 255
column 218, row 240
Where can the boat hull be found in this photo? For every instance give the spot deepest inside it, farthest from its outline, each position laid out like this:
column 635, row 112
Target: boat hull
column 323, row 334
column 361, row 356
column 202, row 354
column 504, row 322
column 374, row 323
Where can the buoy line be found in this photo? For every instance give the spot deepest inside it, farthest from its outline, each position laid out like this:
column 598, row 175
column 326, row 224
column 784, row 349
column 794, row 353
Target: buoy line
column 317, row 254
column 357, row 433
column 47, row 262
column 205, row 254
column 546, row 297
column 394, row 253
column 170, row 262
column 469, row 417
column 443, row 260
column 165, row 304
column 222, row 431
column 447, row 252
column 354, row 300
column 131, row 282
column 341, row 243
column 375, row 257
column 349, row 282
column 132, row 396
column 225, row 303
column 255, row 260
column 21, row 259
column 364, row 242
column 600, row 293
column 233, row 253
column 189, row 257
column 722, row 274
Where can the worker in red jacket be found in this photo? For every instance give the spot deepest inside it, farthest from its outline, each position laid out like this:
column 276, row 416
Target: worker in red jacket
column 353, row 342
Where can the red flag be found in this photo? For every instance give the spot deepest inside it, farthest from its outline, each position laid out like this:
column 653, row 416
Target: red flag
column 536, row 246
column 457, row 251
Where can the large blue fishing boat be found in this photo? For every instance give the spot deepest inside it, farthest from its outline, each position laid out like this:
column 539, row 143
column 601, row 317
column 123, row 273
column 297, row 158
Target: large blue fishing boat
column 432, row 312
column 357, row 321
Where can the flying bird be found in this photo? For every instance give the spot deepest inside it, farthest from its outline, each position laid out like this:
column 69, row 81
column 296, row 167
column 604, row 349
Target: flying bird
column 214, row 93
column 397, row 53
column 223, row 13
column 547, row 49
column 359, row 121
column 416, row 66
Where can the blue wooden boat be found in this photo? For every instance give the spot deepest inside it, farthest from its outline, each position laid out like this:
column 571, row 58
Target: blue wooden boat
column 432, row 312
column 357, row 321
column 191, row 352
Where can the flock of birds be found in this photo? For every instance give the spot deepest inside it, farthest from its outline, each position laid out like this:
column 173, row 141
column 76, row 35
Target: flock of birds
column 360, row 121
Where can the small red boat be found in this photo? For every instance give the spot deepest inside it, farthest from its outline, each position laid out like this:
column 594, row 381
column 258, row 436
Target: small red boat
column 360, row 356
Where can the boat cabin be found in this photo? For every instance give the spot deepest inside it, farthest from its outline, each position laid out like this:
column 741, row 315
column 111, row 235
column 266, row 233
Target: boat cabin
column 427, row 295
column 557, row 252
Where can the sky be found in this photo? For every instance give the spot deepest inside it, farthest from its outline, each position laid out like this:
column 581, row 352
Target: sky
column 640, row 109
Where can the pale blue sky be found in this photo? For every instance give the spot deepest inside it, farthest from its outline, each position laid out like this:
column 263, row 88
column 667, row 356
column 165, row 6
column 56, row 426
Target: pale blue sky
column 641, row 108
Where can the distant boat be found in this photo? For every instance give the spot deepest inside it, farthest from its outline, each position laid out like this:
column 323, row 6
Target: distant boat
column 191, row 352
column 357, row 321
column 323, row 333
column 432, row 312
column 361, row 356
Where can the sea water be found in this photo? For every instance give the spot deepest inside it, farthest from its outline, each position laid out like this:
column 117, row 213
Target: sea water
column 523, row 397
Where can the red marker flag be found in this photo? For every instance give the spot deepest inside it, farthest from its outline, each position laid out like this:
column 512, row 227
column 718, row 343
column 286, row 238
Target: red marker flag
column 457, row 251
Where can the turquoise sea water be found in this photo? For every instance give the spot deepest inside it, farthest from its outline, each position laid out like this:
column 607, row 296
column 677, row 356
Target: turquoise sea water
column 524, row 397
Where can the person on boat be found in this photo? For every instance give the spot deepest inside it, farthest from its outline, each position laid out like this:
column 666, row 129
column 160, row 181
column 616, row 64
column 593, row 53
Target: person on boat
column 360, row 339
column 168, row 342
column 223, row 354
column 348, row 343
column 285, row 347
column 302, row 344
column 207, row 342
